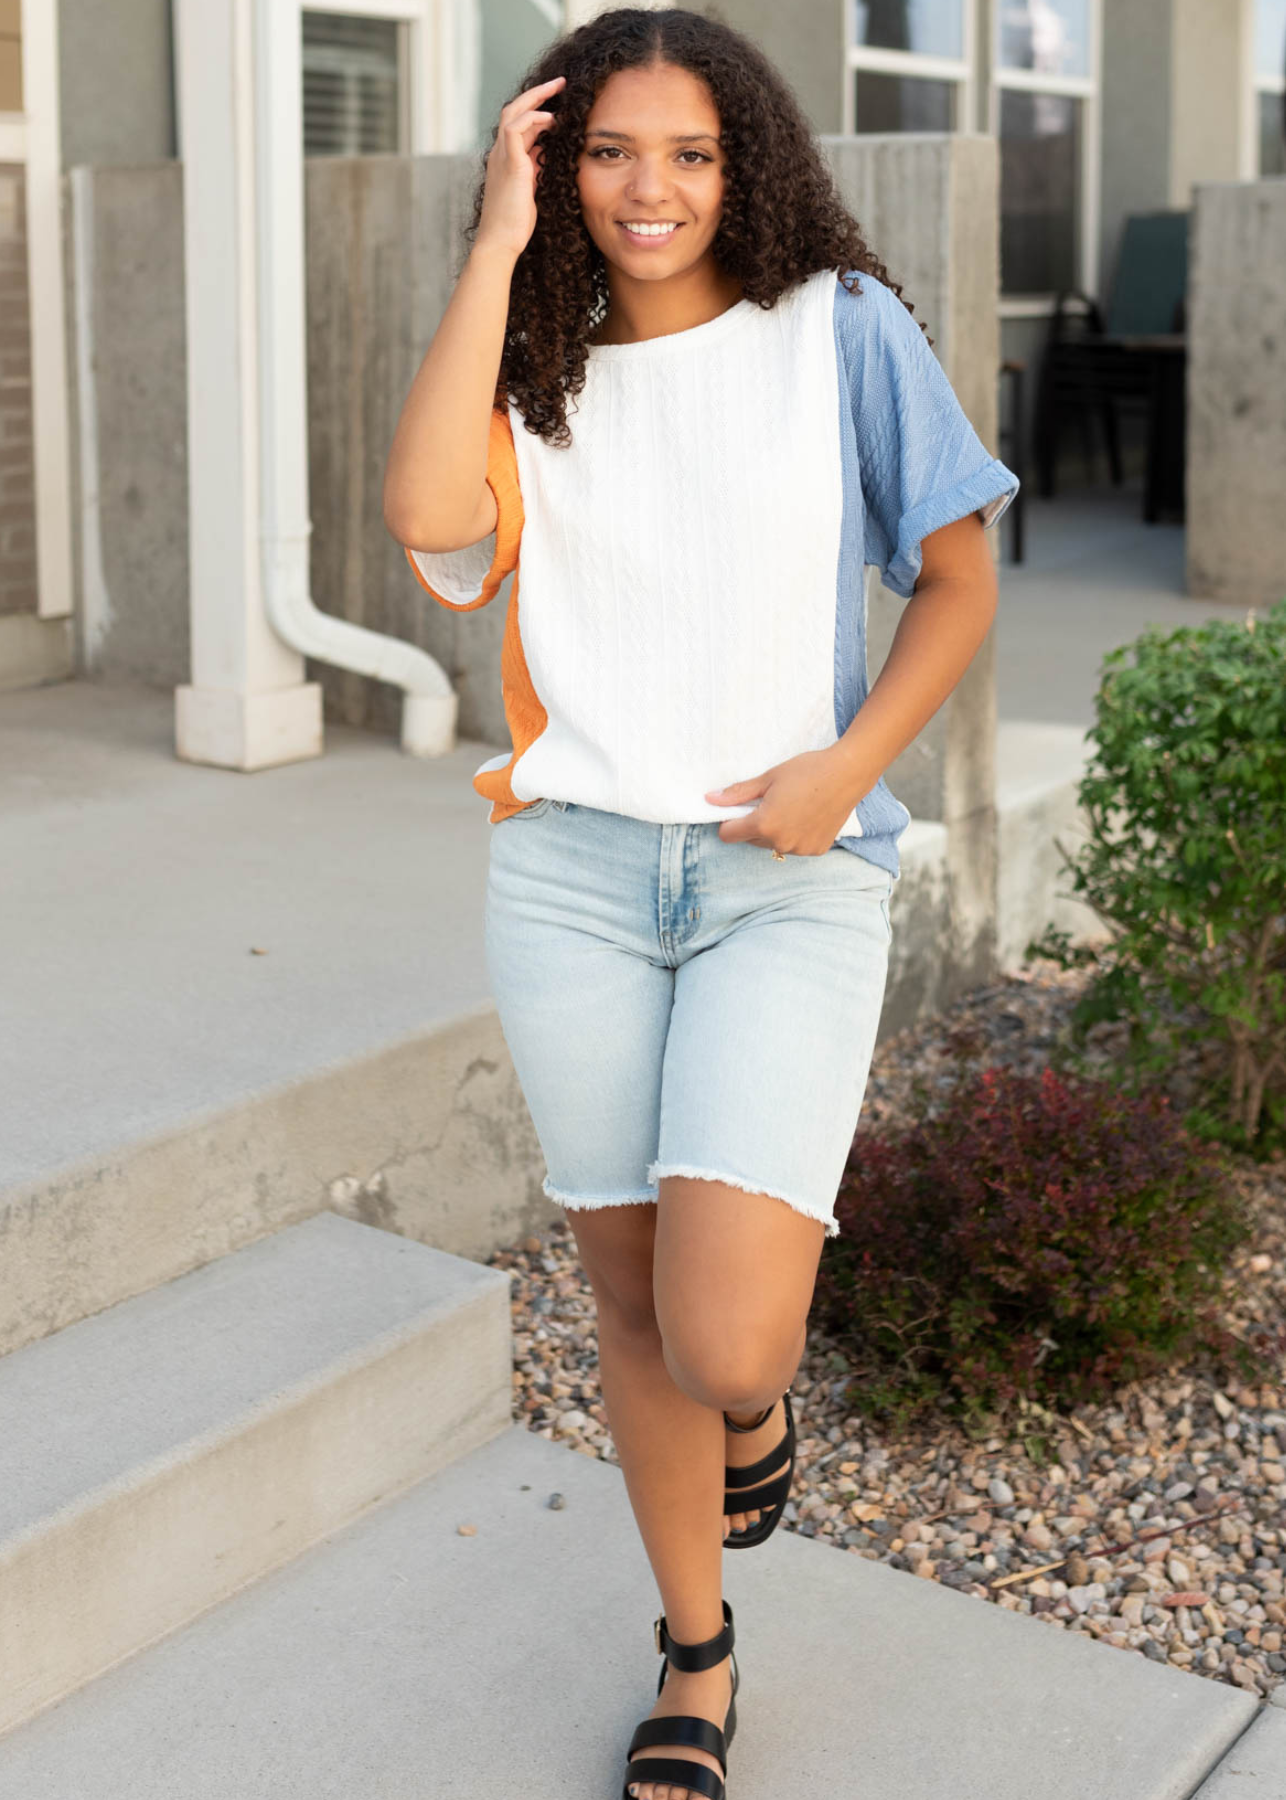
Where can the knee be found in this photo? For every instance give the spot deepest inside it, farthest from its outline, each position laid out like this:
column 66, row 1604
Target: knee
column 624, row 1302
column 733, row 1373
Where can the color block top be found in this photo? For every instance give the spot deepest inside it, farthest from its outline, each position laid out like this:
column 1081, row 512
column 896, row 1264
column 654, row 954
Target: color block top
column 690, row 606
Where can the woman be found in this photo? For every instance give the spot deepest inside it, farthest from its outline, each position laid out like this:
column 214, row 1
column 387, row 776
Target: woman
column 673, row 371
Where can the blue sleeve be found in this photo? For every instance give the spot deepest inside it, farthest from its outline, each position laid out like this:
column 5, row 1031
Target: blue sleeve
column 921, row 463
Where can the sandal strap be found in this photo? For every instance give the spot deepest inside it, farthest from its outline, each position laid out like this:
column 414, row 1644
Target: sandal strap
column 756, row 1471
column 692, row 1657
column 772, row 1493
column 697, row 1777
column 733, row 1425
column 682, row 1728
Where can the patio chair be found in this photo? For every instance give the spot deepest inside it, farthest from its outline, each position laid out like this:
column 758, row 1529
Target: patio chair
column 1091, row 367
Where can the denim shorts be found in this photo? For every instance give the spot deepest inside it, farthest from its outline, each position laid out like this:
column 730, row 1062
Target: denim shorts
column 678, row 1005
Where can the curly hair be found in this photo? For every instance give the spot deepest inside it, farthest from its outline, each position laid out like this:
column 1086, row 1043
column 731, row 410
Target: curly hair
column 782, row 217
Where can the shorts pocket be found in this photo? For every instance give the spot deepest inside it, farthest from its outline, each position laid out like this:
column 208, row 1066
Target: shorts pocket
column 532, row 810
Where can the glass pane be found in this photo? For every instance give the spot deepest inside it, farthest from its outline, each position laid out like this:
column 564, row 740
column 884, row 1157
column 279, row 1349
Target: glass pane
column 902, row 103
column 930, row 27
column 1270, row 38
column 1050, row 37
column 1040, row 160
column 350, row 85
column 1272, row 134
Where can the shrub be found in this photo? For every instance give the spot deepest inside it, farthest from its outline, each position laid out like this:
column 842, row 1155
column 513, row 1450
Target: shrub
column 1042, row 1236
column 1185, row 795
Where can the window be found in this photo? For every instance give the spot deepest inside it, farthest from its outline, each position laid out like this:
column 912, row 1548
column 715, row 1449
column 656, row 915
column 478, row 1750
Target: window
column 1270, row 84
column 1045, row 115
column 909, row 65
column 353, row 102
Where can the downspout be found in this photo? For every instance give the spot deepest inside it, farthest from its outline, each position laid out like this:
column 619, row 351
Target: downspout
column 429, row 705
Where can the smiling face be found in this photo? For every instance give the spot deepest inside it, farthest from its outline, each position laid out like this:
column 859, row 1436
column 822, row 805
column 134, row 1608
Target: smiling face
column 651, row 174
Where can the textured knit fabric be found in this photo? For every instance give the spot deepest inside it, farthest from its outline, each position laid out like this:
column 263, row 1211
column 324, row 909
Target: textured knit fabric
column 690, row 602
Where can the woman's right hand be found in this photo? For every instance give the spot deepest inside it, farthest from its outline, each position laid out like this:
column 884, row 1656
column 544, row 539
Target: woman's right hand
column 508, row 215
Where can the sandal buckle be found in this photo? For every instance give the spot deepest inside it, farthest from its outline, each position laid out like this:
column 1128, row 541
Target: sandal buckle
column 656, row 1634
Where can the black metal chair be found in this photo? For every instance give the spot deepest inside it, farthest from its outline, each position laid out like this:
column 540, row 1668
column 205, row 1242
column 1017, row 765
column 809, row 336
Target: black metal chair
column 1090, row 368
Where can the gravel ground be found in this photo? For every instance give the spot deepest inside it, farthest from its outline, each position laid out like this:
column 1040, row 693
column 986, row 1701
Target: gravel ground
column 1155, row 1522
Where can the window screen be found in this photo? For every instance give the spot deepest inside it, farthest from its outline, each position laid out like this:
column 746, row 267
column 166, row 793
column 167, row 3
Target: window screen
column 352, row 85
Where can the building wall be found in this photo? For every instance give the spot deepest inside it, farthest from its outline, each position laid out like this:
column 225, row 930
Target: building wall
column 806, row 42
column 1206, row 94
column 514, row 32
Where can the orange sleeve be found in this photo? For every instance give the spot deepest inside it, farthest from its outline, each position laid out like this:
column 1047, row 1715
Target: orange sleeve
column 465, row 579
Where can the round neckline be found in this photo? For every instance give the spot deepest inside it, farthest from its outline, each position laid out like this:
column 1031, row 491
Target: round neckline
column 697, row 335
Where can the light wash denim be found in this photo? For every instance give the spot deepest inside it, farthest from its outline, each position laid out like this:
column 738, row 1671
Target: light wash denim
column 678, row 1005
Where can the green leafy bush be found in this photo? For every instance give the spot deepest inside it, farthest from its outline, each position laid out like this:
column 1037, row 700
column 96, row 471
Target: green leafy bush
column 1185, row 795
column 1040, row 1236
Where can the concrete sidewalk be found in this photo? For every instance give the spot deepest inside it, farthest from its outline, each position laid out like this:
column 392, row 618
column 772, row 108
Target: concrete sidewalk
column 1094, row 576
column 399, row 1660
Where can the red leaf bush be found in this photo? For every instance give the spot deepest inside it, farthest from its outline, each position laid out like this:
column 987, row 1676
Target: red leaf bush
column 1039, row 1236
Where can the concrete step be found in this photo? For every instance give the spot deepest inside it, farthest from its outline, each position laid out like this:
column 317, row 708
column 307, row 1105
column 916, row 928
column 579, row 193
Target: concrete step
column 163, row 1453
column 402, row 1661
column 1255, row 1767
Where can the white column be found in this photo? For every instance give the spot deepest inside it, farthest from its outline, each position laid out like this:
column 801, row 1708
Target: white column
column 248, row 705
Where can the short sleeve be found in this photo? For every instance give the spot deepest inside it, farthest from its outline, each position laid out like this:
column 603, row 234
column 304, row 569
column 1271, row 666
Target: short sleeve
column 922, row 465
column 466, row 579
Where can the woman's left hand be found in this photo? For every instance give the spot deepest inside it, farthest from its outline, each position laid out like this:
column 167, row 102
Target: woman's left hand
column 802, row 803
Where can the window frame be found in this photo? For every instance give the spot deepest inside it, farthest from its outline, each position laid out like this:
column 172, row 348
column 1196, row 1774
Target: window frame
column 915, row 64
column 1088, row 90
column 437, row 65
column 1260, row 84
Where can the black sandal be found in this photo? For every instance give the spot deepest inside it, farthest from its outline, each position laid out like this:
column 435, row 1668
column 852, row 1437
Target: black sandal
column 769, row 1498
column 686, row 1728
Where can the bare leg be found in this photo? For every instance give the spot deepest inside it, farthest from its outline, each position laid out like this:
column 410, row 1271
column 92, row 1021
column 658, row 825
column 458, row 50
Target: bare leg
column 747, row 1263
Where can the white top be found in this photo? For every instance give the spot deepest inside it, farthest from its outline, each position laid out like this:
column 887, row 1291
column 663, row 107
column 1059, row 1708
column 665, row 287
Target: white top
column 690, row 607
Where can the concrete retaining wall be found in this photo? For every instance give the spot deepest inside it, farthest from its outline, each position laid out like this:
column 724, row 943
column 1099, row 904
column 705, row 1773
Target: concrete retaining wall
column 1236, row 523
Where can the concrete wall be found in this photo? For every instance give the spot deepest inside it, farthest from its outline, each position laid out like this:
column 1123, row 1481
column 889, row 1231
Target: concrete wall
column 124, row 253
column 1236, row 525
column 928, row 205
column 116, row 84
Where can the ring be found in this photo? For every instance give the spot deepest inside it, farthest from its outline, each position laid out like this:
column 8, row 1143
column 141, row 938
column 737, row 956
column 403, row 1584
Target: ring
column 777, row 856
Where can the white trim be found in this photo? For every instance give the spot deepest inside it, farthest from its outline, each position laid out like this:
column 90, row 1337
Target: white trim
column 1092, row 158
column 1036, row 83
column 440, row 59
column 909, row 62
column 1248, row 124
column 41, row 149
column 1088, row 90
column 13, row 137
column 915, row 65
column 96, row 611
column 1026, row 306
column 370, row 9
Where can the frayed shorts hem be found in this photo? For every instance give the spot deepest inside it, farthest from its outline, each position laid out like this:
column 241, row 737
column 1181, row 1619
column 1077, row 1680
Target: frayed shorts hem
column 588, row 1201
column 657, row 1169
